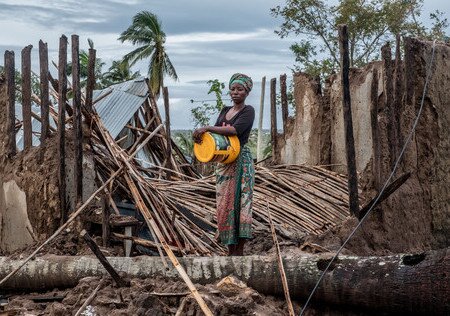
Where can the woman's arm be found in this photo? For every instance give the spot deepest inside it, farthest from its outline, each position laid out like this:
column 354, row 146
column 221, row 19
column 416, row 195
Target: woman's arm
column 227, row 130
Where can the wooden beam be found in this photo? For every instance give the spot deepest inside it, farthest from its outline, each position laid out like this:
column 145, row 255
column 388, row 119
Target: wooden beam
column 45, row 102
column 259, row 155
column 348, row 123
column 90, row 79
column 376, row 162
column 11, row 105
column 105, row 219
column 101, row 257
column 77, row 129
column 62, row 96
column 273, row 117
column 168, row 136
column 284, row 101
column 26, row 98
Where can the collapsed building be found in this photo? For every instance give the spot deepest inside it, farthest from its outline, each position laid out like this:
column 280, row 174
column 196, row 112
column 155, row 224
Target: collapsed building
column 104, row 159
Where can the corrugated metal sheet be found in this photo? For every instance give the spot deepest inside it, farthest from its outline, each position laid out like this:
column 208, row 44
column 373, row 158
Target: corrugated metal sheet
column 119, row 106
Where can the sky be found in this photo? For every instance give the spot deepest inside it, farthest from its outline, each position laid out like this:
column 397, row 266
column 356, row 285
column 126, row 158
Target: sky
column 204, row 39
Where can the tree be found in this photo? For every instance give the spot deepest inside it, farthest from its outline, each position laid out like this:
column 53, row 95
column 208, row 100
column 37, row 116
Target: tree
column 120, row 71
column 370, row 25
column 203, row 113
column 147, row 32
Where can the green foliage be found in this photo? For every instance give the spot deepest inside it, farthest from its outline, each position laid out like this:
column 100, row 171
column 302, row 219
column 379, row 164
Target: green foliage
column 35, row 84
column 119, row 71
column 202, row 113
column 146, row 32
column 185, row 142
column 370, row 25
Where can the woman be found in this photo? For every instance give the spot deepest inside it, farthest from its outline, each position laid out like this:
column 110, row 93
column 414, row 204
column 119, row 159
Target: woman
column 234, row 181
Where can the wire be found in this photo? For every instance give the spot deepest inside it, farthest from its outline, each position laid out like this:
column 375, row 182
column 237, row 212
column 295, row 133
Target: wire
column 408, row 139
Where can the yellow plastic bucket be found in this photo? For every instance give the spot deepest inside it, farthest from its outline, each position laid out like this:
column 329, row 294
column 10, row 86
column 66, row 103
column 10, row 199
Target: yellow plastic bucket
column 217, row 148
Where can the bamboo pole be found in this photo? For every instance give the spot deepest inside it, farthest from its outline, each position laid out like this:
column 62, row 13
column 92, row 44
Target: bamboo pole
column 348, row 123
column 280, row 265
column 260, row 121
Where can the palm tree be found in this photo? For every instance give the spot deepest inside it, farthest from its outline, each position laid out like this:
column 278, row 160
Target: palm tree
column 120, row 71
column 146, row 31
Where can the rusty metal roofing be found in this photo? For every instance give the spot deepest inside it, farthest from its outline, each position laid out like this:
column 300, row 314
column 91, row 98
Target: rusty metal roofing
column 119, row 103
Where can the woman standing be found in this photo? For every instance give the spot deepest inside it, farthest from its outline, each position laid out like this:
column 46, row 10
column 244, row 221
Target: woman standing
column 234, row 181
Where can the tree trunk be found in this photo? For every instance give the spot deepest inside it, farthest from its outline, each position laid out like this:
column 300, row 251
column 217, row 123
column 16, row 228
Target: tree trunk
column 408, row 284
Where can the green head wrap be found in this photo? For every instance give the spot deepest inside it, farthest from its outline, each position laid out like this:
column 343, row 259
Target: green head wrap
column 243, row 80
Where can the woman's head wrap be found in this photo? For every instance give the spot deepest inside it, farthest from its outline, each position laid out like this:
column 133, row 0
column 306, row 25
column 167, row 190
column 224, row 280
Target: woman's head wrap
column 243, row 80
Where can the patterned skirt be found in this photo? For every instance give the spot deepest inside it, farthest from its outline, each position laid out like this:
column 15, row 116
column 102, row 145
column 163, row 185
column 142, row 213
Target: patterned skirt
column 234, row 196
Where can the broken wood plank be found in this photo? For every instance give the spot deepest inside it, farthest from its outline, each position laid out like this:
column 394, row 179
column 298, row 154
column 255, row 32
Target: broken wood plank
column 101, row 257
column 26, row 98
column 348, row 122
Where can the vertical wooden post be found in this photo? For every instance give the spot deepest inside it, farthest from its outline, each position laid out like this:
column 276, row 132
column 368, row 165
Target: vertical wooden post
column 105, row 222
column 11, row 105
column 168, row 139
column 90, row 79
column 259, row 155
column 398, row 94
column 62, row 98
column 43, row 65
column 284, row 101
column 77, row 131
column 386, row 55
column 376, row 167
column 273, row 117
column 348, row 123
column 26, row 98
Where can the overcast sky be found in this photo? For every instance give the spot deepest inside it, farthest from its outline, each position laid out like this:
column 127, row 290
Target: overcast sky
column 205, row 39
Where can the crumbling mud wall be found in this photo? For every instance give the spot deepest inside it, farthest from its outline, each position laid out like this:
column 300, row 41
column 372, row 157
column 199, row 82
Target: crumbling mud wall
column 29, row 189
column 385, row 98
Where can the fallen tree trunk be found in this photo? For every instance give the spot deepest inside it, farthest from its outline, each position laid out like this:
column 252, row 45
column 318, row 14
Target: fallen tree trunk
column 411, row 284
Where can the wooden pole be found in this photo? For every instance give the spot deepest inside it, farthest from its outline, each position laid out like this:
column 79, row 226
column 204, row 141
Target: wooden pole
column 101, row 257
column 77, row 130
column 105, row 221
column 169, row 139
column 273, row 117
column 43, row 64
column 376, row 163
column 62, row 96
column 259, row 154
column 284, row 101
column 90, row 79
column 11, row 105
column 348, row 123
column 280, row 265
column 26, row 98
column 398, row 94
column 90, row 298
column 386, row 55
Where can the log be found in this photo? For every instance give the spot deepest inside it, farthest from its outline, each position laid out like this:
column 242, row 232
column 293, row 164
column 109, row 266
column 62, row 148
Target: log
column 403, row 284
column 348, row 122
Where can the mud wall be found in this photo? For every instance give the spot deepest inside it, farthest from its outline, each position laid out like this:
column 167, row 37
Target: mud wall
column 35, row 198
column 385, row 100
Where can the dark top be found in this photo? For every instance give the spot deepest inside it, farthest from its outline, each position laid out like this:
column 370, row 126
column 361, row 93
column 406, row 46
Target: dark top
column 241, row 121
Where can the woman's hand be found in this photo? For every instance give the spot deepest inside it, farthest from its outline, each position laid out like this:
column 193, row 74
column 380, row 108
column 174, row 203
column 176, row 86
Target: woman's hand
column 197, row 134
